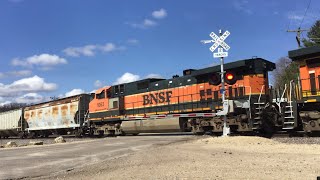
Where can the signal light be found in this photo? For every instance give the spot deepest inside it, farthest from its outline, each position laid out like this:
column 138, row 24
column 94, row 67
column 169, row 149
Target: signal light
column 230, row 78
column 214, row 79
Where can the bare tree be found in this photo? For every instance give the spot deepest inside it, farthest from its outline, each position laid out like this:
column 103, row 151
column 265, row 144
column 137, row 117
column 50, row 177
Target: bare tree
column 285, row 71
column 12, row 106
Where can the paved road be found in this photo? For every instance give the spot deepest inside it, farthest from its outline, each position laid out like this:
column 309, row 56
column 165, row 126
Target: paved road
column 37, row 161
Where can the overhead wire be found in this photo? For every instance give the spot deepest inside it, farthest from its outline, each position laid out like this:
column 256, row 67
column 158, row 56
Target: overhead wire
column 305, row 13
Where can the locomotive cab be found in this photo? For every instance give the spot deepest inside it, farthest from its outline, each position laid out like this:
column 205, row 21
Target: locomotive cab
column 103, row 105
column 308, row 88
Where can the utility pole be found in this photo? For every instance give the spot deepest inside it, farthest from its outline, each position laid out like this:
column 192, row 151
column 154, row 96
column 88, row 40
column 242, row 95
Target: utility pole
column 298, row 37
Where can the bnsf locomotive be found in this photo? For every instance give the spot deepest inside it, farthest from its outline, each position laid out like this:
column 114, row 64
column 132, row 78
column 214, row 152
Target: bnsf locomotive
column 191, row 102
column 187, row 103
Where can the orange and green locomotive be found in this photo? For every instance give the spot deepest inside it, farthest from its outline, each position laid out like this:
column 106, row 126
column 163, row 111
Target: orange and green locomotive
column 182, row 103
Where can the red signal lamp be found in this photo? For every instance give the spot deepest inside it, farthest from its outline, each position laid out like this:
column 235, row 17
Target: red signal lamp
column 230, row 78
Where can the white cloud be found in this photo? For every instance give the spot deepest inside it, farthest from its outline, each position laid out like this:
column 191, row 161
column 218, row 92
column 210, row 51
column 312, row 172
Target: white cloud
column 154, row 76
column 42, row 61
column 242, row 5
column 74, row 92
column 87, row 50
column 109, row 47
column 26, row 85
column 20, row 73
column 133, row 41
column 147, row 23
column 16, row 73
column 91, row 50
column 98, row 84
column 30, row 98
column 126, row 78
column 160, row 14
column 296, row 17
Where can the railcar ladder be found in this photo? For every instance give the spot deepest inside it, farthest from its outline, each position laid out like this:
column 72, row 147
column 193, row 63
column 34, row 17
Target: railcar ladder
column 86, row 117
column 258, row 110
column 289, row 119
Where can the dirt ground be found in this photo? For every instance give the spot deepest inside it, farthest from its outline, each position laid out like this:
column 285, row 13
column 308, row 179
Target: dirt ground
column 211, row 158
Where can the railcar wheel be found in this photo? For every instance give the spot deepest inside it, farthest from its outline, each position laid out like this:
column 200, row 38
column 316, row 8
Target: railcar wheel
column 198, row 133
column 101, row 134
column 217, row 133
column 21, row 135
column 78, row 133
column 32, row 135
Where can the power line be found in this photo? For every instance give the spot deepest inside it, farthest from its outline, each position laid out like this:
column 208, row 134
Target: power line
column 305, row 13
column 299, row 30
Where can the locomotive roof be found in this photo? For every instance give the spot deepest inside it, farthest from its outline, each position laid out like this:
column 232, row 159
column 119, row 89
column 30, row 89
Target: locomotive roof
column 191, row 76
column 304, row 53
column 259, row 65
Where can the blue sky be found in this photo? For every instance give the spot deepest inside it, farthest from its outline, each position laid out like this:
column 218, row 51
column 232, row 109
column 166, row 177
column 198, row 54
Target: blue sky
column 59, row 48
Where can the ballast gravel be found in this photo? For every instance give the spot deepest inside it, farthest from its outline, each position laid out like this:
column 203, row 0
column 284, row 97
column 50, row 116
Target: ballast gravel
column 212, row 158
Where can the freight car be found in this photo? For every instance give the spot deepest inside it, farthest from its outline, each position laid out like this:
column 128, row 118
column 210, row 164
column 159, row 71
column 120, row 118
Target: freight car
column 187, row 103
column 11, row 123
column 62, row 116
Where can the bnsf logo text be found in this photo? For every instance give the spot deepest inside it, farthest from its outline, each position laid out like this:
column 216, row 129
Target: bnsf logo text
column 100, row 104
column 157, row 98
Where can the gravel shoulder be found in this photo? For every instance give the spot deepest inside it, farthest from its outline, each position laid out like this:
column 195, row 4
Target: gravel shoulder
column 210, row 158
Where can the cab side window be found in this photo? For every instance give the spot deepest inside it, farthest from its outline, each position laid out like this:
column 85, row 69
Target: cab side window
column 102, row 95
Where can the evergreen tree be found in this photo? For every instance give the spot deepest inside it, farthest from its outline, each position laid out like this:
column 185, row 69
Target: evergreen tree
column 313, row 36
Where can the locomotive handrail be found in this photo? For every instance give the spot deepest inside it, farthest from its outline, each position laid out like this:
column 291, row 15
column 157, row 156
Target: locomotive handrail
column 290, row 98
column 279, row 103
column 249, row 100
column 260, row 93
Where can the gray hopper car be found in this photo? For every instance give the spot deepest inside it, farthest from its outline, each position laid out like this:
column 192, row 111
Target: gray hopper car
column 11, row 123
column 62, row 116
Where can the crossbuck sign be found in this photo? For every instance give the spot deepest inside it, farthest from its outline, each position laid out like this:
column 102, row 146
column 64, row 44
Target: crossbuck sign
column 218, row 41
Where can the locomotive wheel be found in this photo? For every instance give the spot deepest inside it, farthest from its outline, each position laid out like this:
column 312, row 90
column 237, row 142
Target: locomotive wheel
column 267, row 128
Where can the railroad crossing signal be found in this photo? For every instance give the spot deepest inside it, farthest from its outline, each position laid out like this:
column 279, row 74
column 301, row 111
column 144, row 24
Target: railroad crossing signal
column 220, row 53
column 218, row 41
